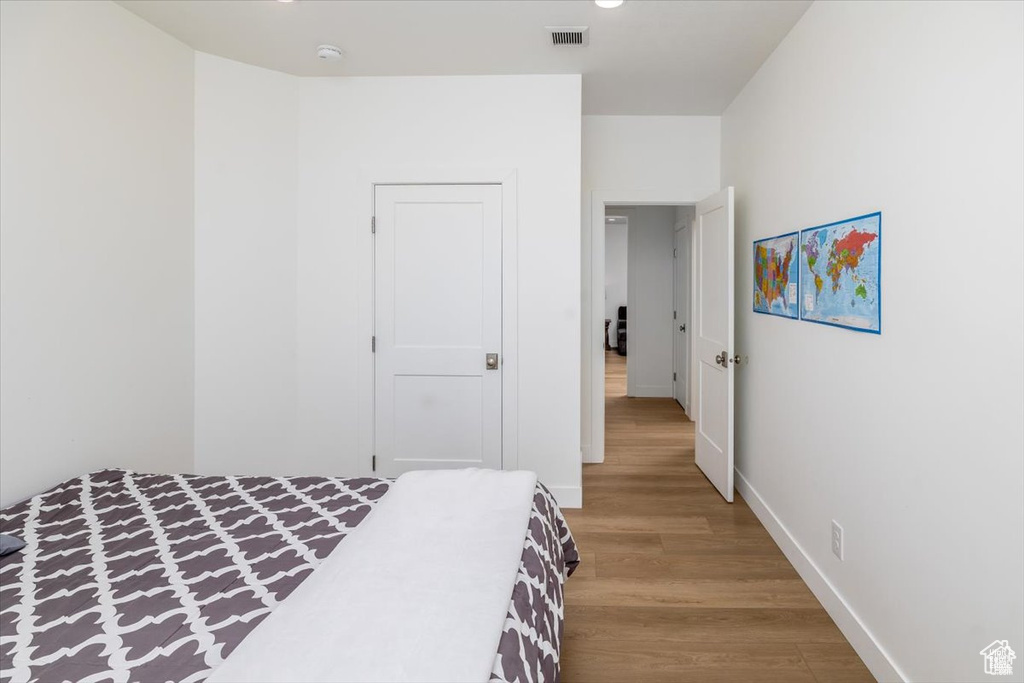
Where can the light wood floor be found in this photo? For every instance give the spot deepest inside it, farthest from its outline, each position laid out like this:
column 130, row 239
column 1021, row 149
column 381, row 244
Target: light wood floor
column 676, row 584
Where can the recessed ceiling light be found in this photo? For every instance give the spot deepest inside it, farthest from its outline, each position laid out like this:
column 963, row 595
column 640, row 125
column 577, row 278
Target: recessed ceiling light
column 608, row 4
column 286, row 1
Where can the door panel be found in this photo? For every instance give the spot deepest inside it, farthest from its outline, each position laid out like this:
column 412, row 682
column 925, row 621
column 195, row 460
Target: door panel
column 713, row 426
column 438, row 245
column 714, row 339
column 437, row 314
column 712, row 245
column 438, row 418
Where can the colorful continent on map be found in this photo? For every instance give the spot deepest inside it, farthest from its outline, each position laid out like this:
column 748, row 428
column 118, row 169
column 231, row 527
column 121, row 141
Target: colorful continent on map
column 847, row 255
column 775, row 275
column 772, row 272
column 844, row 254
column 812, row 250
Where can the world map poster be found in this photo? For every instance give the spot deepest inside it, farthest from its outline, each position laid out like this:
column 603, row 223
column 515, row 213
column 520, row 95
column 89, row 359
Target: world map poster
column 840, row 273
column 775, row 275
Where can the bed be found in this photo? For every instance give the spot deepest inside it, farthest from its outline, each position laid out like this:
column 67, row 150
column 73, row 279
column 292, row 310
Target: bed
column 151, row 577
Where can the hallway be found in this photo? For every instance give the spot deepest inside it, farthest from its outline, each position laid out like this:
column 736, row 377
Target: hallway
column 676, row 584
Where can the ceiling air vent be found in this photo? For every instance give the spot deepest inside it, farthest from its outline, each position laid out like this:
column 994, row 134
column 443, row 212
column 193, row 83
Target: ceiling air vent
column 569, row 36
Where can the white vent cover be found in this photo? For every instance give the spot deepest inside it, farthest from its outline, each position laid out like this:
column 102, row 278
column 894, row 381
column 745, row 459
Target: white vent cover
column 569, row 36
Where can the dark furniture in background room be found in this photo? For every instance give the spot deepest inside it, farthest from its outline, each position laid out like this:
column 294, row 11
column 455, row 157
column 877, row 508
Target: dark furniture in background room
column 620, row 331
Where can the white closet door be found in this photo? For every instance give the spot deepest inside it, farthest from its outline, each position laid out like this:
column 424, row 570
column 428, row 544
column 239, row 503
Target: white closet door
column 437, row 257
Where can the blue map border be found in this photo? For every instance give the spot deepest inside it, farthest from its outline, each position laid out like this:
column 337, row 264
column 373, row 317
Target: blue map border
column 800, row 307
column 753, row 267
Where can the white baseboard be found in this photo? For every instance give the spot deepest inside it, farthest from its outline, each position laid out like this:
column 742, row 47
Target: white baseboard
column 588, row 454
column 567, row 496
column 864, row 643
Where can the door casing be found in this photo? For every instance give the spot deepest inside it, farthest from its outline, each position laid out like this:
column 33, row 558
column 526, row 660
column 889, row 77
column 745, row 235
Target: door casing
column 682, row 284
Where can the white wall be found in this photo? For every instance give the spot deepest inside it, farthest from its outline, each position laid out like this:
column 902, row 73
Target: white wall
column 95, row 245
column 616, row 271
column 684, row 216
column 672, row 156
column 346, row 128
column 246, row 170
column 649, row 317
column 911, row 440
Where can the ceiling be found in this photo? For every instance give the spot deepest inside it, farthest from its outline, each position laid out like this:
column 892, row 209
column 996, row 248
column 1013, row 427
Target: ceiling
column 645, row 57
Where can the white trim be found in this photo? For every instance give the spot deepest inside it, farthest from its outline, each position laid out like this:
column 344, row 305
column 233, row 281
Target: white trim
column 594, row 361
column 631, row 309
column 567, row 496
column 585, row 453
column 878, row 661
column 684, row 257
column 508, row 179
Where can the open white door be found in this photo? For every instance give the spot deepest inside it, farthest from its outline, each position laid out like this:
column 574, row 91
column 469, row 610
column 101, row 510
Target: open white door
column 713, row 339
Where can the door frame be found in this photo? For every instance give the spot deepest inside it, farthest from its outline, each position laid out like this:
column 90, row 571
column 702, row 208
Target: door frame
column 686, row 232
column 507, row 178
column 594, row 337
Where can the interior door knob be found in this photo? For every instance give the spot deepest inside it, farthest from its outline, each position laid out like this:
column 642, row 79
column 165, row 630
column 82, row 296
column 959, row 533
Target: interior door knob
column 492, row 361
column 721, row 359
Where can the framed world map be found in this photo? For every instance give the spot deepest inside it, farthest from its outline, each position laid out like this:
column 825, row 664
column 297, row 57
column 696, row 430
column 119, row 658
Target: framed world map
column 776, row 275
column 840, row 273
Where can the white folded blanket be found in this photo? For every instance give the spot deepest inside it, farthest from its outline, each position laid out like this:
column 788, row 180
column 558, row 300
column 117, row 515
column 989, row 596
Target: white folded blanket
column 417, row 592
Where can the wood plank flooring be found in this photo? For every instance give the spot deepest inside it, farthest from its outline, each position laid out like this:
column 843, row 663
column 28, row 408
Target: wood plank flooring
column 676, row 584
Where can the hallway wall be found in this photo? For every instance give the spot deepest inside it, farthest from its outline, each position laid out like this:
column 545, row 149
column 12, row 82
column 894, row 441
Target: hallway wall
column 649, row 312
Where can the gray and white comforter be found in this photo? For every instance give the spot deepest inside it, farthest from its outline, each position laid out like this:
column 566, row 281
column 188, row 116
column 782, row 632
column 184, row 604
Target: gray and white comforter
column 143, row 577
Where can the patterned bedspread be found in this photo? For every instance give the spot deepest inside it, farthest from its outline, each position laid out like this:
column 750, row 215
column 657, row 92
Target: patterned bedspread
column 142, row 577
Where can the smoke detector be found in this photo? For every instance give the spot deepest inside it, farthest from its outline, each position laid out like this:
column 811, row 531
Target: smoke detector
column 569, row 36
column 329, row 53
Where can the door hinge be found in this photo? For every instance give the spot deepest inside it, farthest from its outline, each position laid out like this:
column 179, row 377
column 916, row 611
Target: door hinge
column 373, row 344
column 673, row 315
column 673, row 377
column 674, row 253
column 373, row 225
column 374, row 463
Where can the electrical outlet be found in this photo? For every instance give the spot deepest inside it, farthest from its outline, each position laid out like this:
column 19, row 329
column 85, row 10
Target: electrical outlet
column 837, row 540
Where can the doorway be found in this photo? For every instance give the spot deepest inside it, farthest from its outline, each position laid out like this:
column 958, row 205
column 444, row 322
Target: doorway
column 646, row 310
column 616, row 297
column 707, row 345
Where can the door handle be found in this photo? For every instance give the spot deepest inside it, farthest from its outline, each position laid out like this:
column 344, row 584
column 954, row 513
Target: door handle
column 492, row 361
column 682, row 328
column 721, row 359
